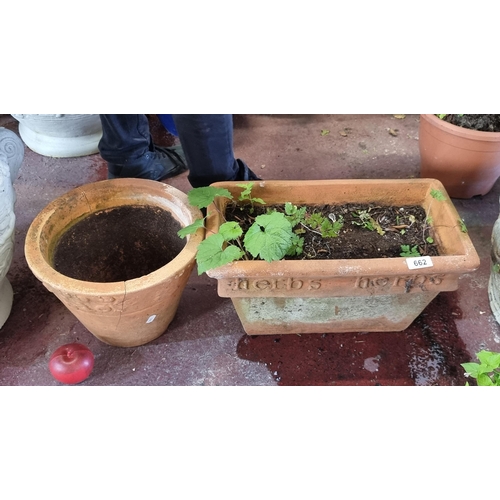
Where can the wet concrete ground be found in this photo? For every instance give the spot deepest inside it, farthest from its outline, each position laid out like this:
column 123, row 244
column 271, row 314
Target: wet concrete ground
column 205, row 344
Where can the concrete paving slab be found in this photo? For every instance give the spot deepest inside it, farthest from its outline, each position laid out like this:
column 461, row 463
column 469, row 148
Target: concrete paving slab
column 205, row 344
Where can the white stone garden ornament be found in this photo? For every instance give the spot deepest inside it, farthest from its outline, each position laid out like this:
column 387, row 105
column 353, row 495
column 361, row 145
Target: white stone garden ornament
column 11, row 157
column 61, row 136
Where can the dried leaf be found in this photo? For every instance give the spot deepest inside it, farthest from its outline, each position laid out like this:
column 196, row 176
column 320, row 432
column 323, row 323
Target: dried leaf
column 400, row 117
column 393, row 131
column 343, row 133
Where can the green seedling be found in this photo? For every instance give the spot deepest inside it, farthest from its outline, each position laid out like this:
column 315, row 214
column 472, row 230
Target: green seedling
column 438, row 195
column 295, row 215
column 246, row 195
column 367, row 221
column 406, row 251
column 487, row 372
column 328, row 228
column 297, row 246
column 442, row 117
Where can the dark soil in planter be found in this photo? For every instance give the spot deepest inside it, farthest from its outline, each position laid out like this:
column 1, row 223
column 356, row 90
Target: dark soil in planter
column 404, row 225
column 118, row 244
column 486, row 123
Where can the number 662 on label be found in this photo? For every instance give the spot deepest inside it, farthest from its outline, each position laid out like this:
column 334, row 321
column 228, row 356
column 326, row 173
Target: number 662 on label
column 418, row 262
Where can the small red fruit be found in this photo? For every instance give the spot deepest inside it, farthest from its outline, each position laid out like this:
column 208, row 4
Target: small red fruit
column 71, row 363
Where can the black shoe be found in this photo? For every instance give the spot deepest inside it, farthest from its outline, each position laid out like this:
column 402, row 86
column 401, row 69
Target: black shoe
column 245, row 174
column 156, row 165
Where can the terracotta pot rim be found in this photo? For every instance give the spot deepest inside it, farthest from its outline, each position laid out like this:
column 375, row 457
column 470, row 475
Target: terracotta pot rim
column 47, row 274
column 477, row 135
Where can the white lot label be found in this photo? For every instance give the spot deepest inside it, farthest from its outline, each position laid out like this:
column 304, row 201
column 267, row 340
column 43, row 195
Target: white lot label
column 418, row 262
column 151, row 319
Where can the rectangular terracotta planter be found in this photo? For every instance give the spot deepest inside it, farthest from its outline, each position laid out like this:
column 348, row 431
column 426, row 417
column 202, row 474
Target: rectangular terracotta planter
column 324, row 296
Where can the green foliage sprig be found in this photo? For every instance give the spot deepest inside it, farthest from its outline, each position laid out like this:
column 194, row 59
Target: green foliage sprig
column 487, row 372
column 367, row 221
column 271, row 236
column 406, row 251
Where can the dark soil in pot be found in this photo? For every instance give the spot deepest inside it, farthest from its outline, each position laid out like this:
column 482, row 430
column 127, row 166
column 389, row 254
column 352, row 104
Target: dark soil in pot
column 406, row 225
column 486, row 123
column 118, row 244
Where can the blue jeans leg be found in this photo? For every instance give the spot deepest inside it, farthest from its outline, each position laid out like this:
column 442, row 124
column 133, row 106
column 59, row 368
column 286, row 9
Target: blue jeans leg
column 125, row 138
column 207, row 141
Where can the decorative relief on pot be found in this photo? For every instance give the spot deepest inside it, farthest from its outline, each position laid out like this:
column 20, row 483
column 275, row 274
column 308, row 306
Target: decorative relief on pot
column 11, row 151
column 7, row 220
column 281, row 284
column 96, row 305
column 317, row 286
column 11, row 157
column 494, row 281
column 419, row 280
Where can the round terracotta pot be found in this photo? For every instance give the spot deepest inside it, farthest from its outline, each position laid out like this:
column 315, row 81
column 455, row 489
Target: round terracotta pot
column 467, row 162
column 125, row 313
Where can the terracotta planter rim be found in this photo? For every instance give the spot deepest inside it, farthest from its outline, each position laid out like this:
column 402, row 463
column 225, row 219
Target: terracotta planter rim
column 450, row 264
column 46, row 273
column 476, row 135
column 460, row 262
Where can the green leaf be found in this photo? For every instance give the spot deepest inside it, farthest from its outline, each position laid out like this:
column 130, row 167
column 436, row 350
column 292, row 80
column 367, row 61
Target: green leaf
column 230, row 231
column 294, row 214
column 269, row 237
column 438, row 195
column 202, row 197
column 297, row 246
column 246, row 190
column 463, row 227
column 490, row 359
column 406, row 251
column 484, row 379
column 246, row 194
column 377, row 226
column 211, row 253
column 473, row 369
column 325, row 132
column 191, row 229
